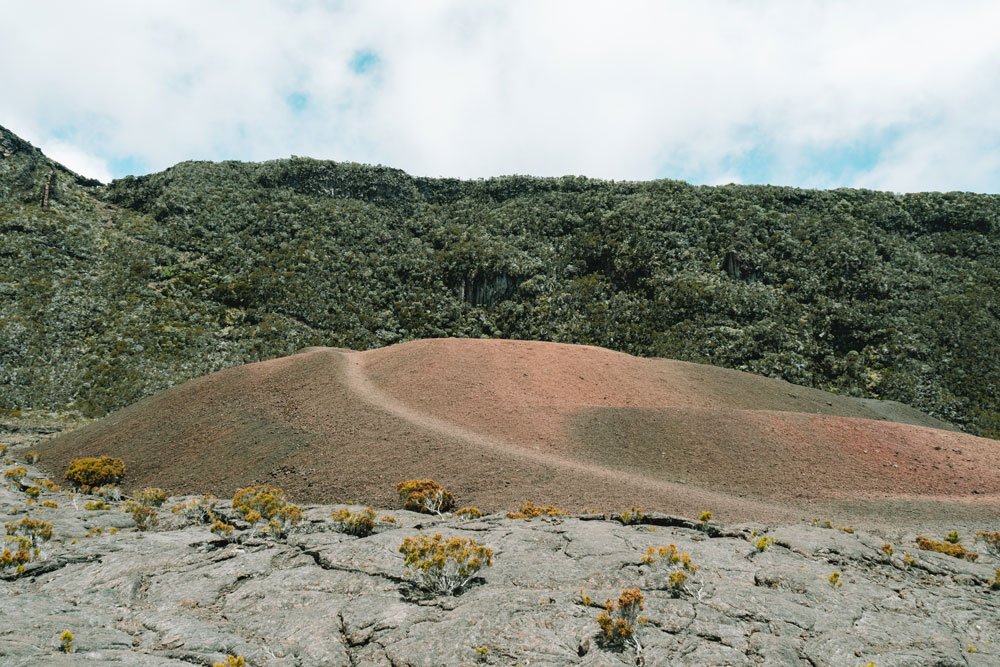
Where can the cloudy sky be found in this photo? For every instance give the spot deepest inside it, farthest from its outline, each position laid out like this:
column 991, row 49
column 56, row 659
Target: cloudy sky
column 901, row 96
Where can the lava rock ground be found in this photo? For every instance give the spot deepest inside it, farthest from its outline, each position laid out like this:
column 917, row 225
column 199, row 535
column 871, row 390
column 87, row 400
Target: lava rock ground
column 178, row 594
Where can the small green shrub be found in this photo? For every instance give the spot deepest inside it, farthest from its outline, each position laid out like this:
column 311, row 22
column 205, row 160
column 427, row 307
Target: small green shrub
column 359, row 524
column 425, row 495
column 88, row 473
column 67, row 641
column 835, row 580
column 32, row 457
column 995, row 581
column 33, row 491
column 444, row 567
column 953, row 537
column 620, row 620
column 15, row 475
column 887, row 549
column 96, row 505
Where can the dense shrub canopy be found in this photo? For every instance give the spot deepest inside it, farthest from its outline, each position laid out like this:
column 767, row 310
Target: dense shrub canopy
column 112, row 293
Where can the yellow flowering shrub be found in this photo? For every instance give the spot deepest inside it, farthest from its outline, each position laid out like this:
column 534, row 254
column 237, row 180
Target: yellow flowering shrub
column 91, row 472
column 444, row 566
column 620, row 620
column 425, row 495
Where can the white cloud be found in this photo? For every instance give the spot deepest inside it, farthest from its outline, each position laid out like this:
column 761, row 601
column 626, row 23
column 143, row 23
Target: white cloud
column 616, row 90
column 77, row 160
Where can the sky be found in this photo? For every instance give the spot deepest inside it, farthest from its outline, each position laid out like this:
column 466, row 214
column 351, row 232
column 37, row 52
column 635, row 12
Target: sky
column 900, row 96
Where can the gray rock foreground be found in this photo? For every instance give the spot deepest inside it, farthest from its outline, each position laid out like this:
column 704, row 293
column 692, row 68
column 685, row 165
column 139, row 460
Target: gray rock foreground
column 180, row 595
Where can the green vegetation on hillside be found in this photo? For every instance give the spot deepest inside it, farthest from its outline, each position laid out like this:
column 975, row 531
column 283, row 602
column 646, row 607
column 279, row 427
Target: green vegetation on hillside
column 112, row 293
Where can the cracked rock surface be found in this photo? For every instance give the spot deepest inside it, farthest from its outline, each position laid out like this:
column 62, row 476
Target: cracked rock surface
column 179, row 595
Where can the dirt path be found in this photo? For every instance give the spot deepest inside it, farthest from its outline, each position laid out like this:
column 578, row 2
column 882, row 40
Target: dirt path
column 358, row 381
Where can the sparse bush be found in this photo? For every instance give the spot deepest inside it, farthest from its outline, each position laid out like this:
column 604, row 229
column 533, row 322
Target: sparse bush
column 444, row 567
column 385, row 518
column 991, row 540
column 995, row 581
column 631, row 516
column 15, row 475
column 359, row 524
column 109, row 492
column 28, row 537
column 826, row 523
column 954, row 550
column 468, row 513
column 680, row 567
column 33, row 492
column 529, row 510
column 47, row 484
column 620, row 621
column 887, row 549
column 151, row 497
column 18, row 558
column 35, row 530
column 51, row 504
column 232, row 661
column 834, row 580
column 144, row 516
column 32, row 457
column 763, row 543
column 265, row 503
column 67, row 641
column 425, row 495
column 199, row 510
column 96, row 505
column 953, row 537
column 93, row 472
column 222, row 529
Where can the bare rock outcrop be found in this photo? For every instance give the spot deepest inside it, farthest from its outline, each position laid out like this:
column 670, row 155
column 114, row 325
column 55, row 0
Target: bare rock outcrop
column 177, row 594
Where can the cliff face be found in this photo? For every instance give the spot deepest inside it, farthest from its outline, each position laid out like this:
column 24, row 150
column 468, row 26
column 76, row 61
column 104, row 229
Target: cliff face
column 111, row 293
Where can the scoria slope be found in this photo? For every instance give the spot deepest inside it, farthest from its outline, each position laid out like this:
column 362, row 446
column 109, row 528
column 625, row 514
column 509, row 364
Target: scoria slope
column 500, row 421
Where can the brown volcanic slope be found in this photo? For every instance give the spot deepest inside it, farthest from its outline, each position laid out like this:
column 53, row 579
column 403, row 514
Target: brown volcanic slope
column 500, row 421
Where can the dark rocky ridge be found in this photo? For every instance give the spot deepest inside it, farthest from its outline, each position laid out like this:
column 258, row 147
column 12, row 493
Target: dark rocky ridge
column 179, row 595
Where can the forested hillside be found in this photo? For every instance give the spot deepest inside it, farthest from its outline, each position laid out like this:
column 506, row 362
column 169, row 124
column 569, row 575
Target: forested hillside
column 110, row 293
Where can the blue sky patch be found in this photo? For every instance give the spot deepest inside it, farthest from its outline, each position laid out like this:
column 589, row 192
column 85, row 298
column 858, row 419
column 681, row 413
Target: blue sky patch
column 364, row 61
column 297, row 101
column 128, row 165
